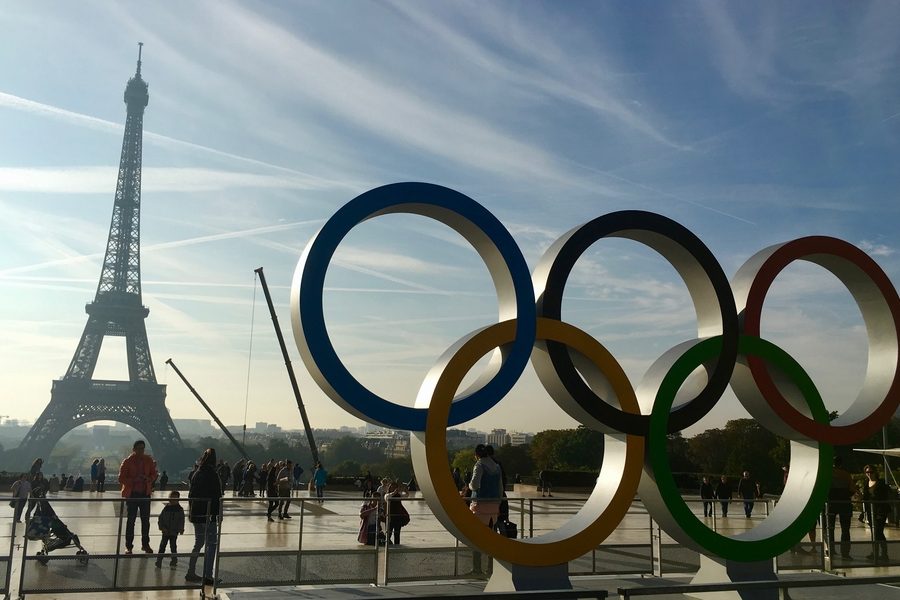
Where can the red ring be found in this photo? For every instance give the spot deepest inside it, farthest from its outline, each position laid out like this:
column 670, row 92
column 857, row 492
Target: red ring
column 807, row 248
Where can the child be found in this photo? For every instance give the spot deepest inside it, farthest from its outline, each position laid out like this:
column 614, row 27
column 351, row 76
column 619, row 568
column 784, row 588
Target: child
column 171, row 523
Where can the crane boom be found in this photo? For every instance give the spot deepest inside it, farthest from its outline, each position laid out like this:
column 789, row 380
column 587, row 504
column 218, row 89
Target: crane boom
column 290, row 369
column 209, row 410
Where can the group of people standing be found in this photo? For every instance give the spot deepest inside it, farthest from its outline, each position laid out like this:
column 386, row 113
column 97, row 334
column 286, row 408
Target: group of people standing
column 137, row 475
column 382, row 508
column 873, row 494
column 31, row 487
column 748, row 491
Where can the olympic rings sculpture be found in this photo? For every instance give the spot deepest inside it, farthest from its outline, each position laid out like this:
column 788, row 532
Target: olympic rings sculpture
column 587, row 382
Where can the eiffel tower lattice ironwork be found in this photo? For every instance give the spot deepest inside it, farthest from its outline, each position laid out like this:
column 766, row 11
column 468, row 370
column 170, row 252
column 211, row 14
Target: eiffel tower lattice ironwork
column 117, row 310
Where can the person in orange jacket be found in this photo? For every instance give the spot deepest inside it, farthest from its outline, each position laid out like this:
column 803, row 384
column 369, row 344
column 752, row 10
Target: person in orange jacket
column 137, row 474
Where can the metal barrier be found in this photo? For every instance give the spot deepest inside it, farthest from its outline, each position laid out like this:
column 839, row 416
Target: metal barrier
column 782, row 585
column 6, row 558
column 318, row 546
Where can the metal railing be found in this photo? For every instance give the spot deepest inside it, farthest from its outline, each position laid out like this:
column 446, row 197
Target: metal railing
column 318, row 546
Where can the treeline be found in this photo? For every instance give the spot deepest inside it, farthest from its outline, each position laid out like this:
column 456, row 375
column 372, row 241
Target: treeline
column 742, row 444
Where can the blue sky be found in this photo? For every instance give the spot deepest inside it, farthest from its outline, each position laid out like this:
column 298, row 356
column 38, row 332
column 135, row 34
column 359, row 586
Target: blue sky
column 749, row 123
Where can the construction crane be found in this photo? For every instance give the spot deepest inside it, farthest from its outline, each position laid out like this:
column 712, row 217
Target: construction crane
column 290, row 369
column 209, row 410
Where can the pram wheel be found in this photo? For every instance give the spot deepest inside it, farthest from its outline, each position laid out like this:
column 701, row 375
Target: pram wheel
column 82, row 557
column 42, row 557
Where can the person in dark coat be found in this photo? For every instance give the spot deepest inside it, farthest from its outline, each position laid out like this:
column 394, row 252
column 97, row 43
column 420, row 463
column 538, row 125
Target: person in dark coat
column 839, row 507
column 272, row 489
column 707, row 494
column 724, row 493
column 205, row 513
column 237, row 476
column 876, row 502
column 171, row 525
column 748, row 490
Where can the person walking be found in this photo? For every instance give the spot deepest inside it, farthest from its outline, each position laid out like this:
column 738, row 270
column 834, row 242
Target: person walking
column 101, row 475
column 748, row 490
column 724, row 493
column 237, row 476
column 320, row 478
column 94, row 469
column 298, row 474
column 36, row 467
column 707, row 494
column 876, row 497
column 284, row 480
column 39, row 489
column 272, row 489
column 205, row 513
column 163, row 481
column 21, row 489
column 136, row 476
column 263, row 480
column 171, row 525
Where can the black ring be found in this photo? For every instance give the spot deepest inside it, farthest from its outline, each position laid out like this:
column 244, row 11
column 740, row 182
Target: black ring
column 691, row 258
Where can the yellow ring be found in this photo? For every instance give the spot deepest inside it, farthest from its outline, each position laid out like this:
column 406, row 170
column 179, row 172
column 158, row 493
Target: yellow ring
column 601, row 513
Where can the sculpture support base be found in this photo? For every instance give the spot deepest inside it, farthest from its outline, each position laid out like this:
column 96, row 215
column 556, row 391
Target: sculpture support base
column 509, row 577
column 717, row 570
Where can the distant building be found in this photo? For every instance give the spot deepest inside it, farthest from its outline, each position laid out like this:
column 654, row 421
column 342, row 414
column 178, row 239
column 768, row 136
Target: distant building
column 194, row 427
column 517, row 438
column 497, row 438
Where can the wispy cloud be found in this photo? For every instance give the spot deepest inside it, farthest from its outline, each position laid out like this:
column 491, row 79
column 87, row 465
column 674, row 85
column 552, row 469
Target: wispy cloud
column 30, row 106
column 203, row 239
column 876, row 249
column 93, row 180
column 548, row 69
column 377, row 104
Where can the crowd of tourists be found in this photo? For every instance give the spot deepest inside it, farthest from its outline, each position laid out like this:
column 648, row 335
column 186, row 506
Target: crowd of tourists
column 382, row 514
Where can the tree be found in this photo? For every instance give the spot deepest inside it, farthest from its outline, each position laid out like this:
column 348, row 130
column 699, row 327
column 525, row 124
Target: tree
column 516, row 460
column 350, row 448
column 347, row 468
column 708, row 451
column 543, row 449
column 748, row 448
column 578, row 449
column 464, row 460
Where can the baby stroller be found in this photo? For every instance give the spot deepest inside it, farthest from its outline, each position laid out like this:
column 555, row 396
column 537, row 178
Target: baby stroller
column 48, row 528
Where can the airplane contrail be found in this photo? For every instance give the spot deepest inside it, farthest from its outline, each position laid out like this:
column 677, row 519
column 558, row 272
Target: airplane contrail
column 31, row 106
column 203, row 239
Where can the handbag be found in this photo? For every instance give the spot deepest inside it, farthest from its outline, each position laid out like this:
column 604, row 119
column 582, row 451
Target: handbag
column 508, row 529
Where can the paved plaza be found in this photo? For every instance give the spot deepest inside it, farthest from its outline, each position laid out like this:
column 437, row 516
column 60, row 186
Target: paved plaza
column 259, row 558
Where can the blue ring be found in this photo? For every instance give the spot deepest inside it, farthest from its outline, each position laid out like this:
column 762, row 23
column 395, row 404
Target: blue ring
column 404, row 197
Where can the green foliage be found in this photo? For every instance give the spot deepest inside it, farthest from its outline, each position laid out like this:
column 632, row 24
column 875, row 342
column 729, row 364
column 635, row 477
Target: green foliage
column 351, row 448
column 347, row 468
column 516, row 460
column 543, row 446
column 463, row 460
column 578, row 449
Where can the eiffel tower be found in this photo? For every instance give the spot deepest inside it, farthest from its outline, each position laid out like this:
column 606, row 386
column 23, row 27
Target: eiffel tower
column 117, row 310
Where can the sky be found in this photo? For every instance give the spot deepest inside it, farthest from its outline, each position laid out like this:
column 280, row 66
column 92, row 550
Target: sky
column 749, row 123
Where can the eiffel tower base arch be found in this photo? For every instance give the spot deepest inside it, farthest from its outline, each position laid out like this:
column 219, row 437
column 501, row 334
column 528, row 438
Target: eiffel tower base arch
column 140, row 405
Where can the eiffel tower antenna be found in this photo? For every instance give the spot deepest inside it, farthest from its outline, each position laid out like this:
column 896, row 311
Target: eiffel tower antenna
column 117, row 310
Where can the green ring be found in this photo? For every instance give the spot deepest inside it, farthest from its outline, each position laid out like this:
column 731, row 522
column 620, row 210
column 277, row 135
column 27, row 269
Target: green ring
column 657, row 456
